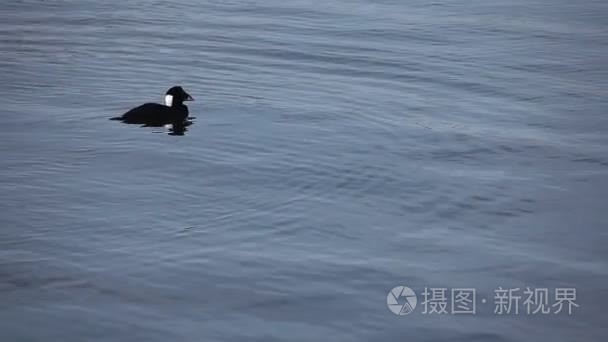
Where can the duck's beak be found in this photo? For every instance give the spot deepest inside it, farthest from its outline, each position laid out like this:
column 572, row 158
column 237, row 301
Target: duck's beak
column 189, row 98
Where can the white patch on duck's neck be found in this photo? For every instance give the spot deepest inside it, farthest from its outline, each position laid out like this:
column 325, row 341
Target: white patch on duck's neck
column 168, row 100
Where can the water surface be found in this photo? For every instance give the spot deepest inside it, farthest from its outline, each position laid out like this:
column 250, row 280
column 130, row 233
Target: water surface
column 340, row 149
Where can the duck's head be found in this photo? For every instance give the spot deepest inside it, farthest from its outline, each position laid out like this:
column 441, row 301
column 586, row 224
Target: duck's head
column 176, row 97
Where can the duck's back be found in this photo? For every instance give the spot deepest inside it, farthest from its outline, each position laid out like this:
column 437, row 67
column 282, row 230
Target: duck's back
column 155, row 114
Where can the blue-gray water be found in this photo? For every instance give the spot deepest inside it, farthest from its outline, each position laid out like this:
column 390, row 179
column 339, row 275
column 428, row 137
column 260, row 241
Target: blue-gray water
column 340, row 149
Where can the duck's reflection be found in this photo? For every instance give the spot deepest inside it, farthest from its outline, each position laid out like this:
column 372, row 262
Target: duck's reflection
column 171, row 128
column 179, row 128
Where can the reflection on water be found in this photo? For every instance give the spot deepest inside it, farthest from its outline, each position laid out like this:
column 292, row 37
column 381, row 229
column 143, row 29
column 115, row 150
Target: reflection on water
column 175, row 128
column 179, row 128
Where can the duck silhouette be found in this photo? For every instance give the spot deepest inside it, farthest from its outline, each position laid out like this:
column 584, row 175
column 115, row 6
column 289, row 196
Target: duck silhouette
column 173, row 111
